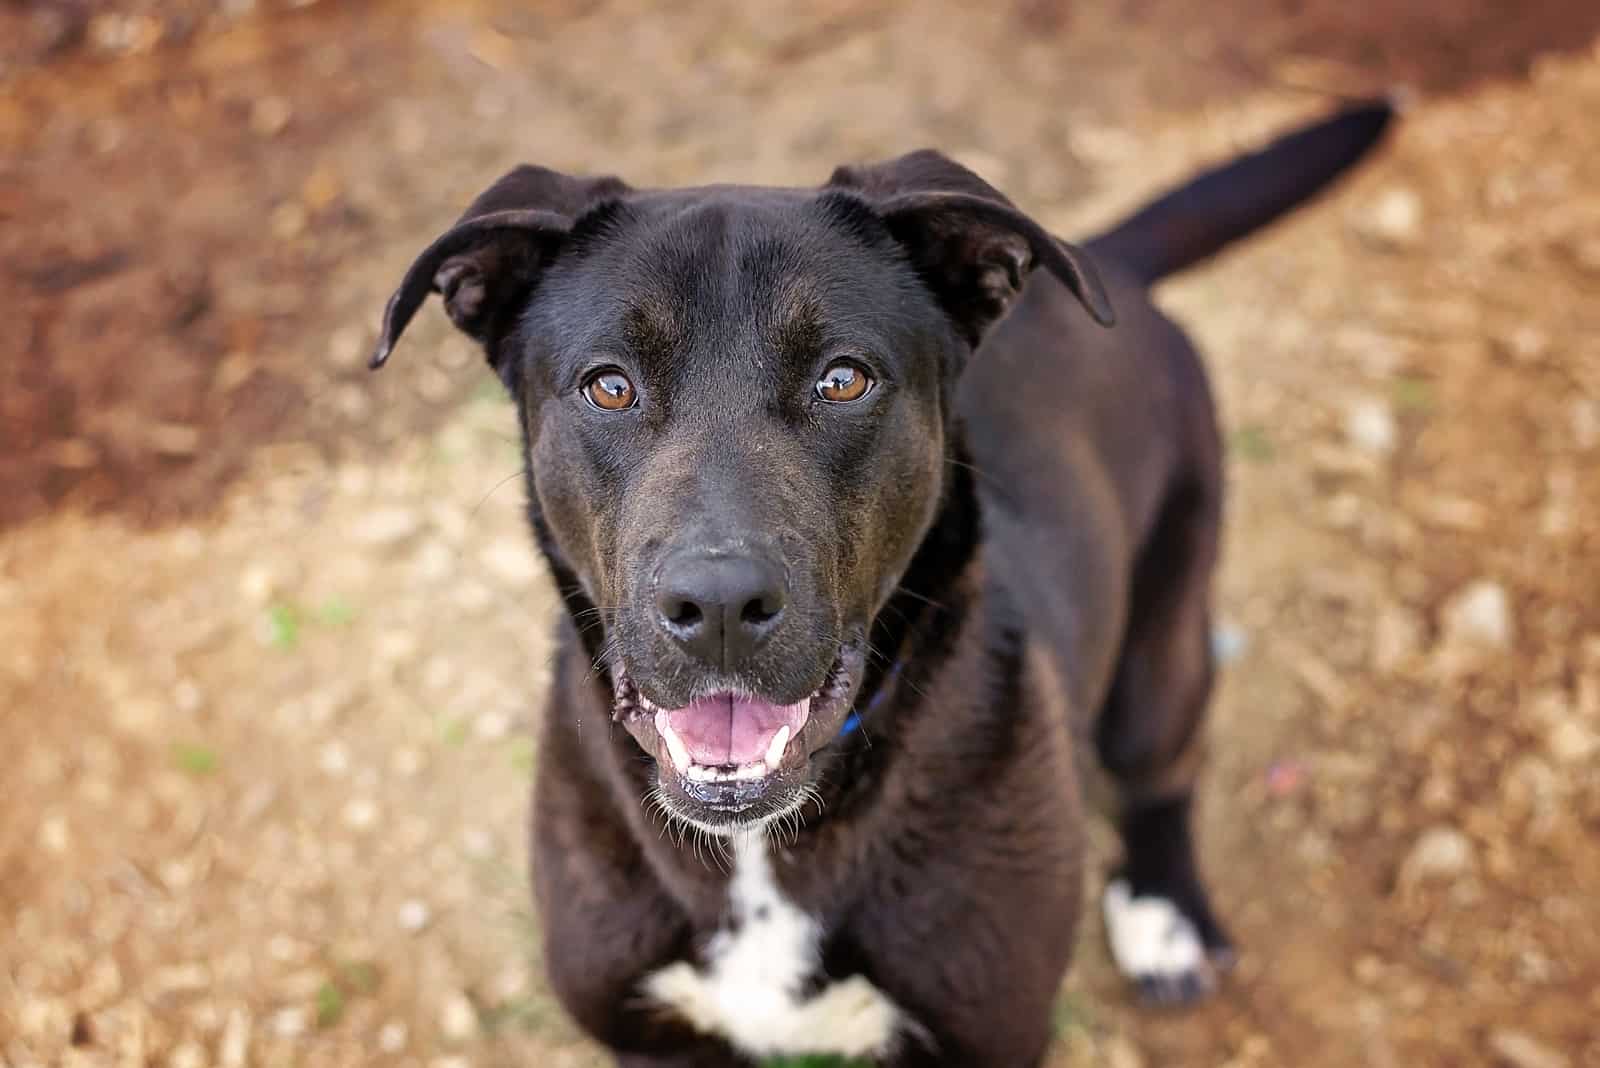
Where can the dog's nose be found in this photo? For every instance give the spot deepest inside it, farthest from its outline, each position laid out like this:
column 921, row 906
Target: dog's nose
column 720, row 608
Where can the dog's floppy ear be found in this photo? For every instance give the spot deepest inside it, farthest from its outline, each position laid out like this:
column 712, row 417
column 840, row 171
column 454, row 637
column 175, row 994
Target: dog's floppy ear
column 487, row 263
column 971, row 246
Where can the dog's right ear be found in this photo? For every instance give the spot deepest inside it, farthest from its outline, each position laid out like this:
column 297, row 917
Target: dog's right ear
column 486, row 265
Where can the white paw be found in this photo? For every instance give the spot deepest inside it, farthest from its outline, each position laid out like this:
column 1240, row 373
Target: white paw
column 1156, row 946
column 857, row 1018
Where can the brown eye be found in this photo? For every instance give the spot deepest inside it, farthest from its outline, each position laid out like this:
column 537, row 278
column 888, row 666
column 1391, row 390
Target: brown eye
column 610, row 391
column 842, row 383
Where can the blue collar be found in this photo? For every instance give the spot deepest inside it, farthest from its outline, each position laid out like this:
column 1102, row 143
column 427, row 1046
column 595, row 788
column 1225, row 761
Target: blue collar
column 852, row 722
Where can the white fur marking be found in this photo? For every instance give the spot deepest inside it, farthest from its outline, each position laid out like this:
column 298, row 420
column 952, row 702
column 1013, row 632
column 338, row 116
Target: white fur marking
column 749, row 992
column 1150, row 938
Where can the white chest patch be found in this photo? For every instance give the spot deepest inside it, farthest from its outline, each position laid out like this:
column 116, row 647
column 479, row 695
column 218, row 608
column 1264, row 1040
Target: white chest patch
column 750, row 990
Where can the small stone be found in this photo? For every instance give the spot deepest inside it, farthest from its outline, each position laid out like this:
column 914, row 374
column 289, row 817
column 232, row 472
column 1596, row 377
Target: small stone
column 187, row 1054
column 1369, row 424
column 361, row 814
column 1586, row 254
column 1585, row 419
column 291, row 1022
column 492, row 726
column 406, row 761
column 270, row 115
column 413, row 915
column 1525, row 344
column 1478, row 615
column 234, row 1049
column 1440, row 853
column 1118, row 1052
column 1438, row 793
column 321, row 188
column 392, row 1037
column 1394, row 220
column 386, row 526
column 334, row 759
column 434, row 562
column 1572, row 742
column 1518, row 1049
column 1229, row 642
column 288, row 220
column 54, row 834
column 174, row 439
column 511, row 561
column 1396, row 637
column 458, row 1019
column 347, row 346
column 454, row 1060
column 258, row 583
column 473, row 597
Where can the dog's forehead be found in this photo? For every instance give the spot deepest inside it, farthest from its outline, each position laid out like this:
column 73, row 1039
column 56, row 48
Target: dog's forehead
column 770, row 264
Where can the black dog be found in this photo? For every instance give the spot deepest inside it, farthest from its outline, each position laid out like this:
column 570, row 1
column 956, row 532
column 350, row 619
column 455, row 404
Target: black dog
column 859, row 521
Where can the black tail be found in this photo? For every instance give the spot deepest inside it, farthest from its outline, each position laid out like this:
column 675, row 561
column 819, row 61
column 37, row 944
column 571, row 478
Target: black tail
column 1228, row 202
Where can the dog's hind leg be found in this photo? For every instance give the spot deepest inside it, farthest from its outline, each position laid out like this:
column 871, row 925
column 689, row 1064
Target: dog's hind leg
column 1163, row 934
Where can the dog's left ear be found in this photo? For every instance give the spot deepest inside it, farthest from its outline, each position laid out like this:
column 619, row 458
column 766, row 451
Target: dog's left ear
column 486, row 265
column 971, row 246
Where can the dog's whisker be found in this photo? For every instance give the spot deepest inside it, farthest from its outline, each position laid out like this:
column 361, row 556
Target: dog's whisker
column 518, row 473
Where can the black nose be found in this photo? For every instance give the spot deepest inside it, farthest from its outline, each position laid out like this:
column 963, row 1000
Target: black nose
column 720, row 608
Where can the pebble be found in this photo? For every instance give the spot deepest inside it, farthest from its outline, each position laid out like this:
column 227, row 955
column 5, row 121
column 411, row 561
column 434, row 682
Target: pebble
column 1572, row 742
column 1586, row 254
column 258, row 583
column 54, row 834
column 492, row 725
column 187, row 1054
column 434, row 562
column 334, row 759
column 1525, row 344
column 361, row 814
column 454, row 1060
column 386, row 526
column 1229, row 642
column 1394, row 220
column 234, row 1049
column 1585, row 419
column 1518, row 1049
column 291, row 1022
column 392, row 1037
column 458, row 1019
column 1479, row 615
column 1119, row 1052
column 1369, row 424
column 413, row 915
column 1396, row 637
column 269, row 115
column 1440, row 853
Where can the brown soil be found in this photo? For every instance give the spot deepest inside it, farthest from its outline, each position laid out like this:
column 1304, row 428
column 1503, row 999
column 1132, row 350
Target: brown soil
column 271, row 635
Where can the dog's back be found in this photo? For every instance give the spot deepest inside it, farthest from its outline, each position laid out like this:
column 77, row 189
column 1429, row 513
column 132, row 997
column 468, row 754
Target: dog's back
column 1068, row 422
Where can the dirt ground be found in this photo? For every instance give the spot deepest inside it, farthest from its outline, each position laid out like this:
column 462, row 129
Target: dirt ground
column 272, row 635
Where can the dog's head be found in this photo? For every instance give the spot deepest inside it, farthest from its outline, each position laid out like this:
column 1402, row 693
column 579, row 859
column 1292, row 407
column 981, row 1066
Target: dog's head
column 735, row 406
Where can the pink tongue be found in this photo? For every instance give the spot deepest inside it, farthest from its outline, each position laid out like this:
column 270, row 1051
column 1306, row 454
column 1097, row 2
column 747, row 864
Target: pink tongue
column 733, row 730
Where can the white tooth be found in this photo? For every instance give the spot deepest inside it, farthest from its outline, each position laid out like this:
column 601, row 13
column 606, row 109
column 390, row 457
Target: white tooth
column 675, row 747
column 780, row 742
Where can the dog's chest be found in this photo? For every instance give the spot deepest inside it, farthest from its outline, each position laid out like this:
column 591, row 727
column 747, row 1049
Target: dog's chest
column 752, row 987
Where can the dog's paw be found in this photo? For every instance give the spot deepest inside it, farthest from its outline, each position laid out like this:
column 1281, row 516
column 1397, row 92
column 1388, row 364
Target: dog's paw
column 1157, row 947
column 858, row 1019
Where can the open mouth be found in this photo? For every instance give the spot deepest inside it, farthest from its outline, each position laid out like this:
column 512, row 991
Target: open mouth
column 727, row 753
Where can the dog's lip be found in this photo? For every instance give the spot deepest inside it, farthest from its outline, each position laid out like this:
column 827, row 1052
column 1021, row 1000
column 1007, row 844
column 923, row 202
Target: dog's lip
column 809, row 722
